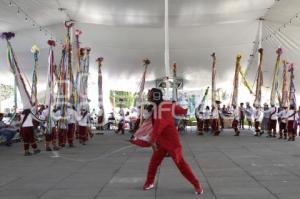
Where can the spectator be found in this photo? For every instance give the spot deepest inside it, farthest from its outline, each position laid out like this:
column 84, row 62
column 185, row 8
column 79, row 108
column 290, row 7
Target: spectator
column 6, row 131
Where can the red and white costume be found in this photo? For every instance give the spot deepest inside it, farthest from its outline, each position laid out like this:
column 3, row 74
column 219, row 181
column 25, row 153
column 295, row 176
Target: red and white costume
column 50, row 137
column 292, row 118
column 236, row 119
column 215, row 124
column 257, row 120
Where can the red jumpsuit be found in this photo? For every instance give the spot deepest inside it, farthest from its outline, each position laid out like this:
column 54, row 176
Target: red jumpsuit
column 166, row 136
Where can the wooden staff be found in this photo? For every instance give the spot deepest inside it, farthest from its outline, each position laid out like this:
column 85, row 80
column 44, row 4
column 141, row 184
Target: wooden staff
column 259, row 80
column 275, row 77
column 213, row 82
column 100, row 86
column 72, row 90
column 236, row 81
column 175, row 96
column 285, row 88
column 146, row 63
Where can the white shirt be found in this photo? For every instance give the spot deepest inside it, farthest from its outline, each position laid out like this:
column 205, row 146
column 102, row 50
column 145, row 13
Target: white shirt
column 206, row 115
column 291, row 117
column 257, row 115
column 57, row 116
column 249, row 113
column 71, row 116
column 236, row 114
column 44, row 116
column 83, row 121
column 147, row 114
column 28, row 122
column 199, row 114
column 267, row 114
column 100, row 112
column 215, row 114
column 273, row 113
column 282, row 114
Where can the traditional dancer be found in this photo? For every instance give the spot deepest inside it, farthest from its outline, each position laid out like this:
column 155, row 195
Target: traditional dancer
column 283, row 123
column 223, row 115
column 165, row 139
column 215, row 120
column 242, row 115
column 83, row 124
column 257, row 121
column 206, row 118
column 200, row 119
column 100, row 120
column 272, row 121
column 121, row 124
column 62, row 130
column 71, row 125
column 27, row 132
column 236, row 119
column 266, row 119
column 292, row 118
column 249, row 114
column 50, row 131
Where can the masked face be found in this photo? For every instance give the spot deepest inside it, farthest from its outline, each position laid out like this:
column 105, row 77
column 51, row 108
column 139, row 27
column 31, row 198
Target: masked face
column 155, row 95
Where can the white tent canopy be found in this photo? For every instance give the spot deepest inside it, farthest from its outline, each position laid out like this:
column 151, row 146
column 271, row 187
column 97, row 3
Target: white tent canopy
column 126, row 32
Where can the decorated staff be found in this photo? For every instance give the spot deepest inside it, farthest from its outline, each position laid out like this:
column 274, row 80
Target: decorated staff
column 25, row 97
column 146, row 63
column 204, row 99
column 275, row 77
column 62, row 99
column 100, row 93
column 35, row 50
column 234, row 101
column 83, row 78
column 78, row 58
column 68, row 46
column 175, row 94
column 259, row 80
column 27, row 116
column 292, row 95
column 245, row 81
column 213, row 81
column 50, row 81
column 285, row 88
column 50, row 134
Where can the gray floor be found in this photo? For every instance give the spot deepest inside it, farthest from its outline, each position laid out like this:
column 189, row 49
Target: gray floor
column 108, row 167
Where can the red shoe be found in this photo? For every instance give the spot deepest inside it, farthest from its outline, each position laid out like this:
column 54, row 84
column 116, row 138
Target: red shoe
column 148, row 187
column 198, row 191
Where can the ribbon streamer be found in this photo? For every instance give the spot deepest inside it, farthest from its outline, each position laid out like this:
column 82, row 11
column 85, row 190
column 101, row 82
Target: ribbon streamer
column 285, row 87
column 213, row 80
column 275, row 77
column 259, row 80
column 234, row 100
column 292, row 95
column 35, row 50
column 19, row 77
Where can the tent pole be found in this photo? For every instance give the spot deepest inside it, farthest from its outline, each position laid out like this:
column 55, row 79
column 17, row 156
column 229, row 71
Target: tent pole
column 167, row 48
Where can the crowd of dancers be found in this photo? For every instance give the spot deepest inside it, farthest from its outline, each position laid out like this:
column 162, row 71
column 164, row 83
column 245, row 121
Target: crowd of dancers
column 281, row 122
column 56, row 136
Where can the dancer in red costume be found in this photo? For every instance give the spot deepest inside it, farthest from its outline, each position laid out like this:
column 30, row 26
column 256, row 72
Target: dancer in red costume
column 165, row 140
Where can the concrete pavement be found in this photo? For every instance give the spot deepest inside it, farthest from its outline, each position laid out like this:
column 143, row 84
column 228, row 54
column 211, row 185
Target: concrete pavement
column 110, row 168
